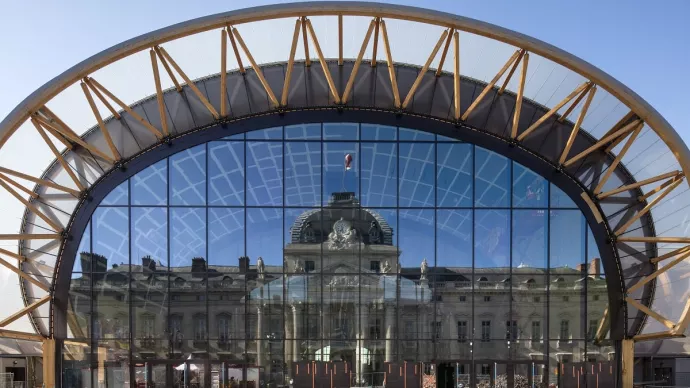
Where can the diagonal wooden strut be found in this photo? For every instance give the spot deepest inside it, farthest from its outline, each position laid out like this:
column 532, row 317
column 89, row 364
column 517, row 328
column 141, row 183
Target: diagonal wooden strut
column 665, row 321
column 358, row 62
column 305, row 43
column 647, row 208
column 376, row 41
column 291, row 62
column 159, row 92
column 658, row 272
column 94, row 85
column 638, row 184
column 20, row 335
column 32, row 236
column 223, row 73
column 12, row 254
column 56, row 227
column 553, row 110
column 103, row 100
column 445, row 52
column 578, row 123
column 189, row 82
column 18, row 185
column 391, row 64
column 24, row 275
column 101, row 124
column 418, row 80
column 617, row 160
column 340, row 40
column 490, row 85
column 322, row 60
column 512, row 71
column 621, row 132
column 520, row 95
column 33, row 306
column 228, row 29
column 256, row 68
column 58, row 156
column 167, row 68
column 574, row 104
column 670, row 254
column 39, row 181
column 662, row 186
column 670, row 240
column 456, row 75
column 684, row 321
column 58, row 126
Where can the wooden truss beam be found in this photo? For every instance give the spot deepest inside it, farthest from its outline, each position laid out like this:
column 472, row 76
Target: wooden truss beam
column 670, row 254
column 322, row 60
column 665, row 321
column 629, row 116
column 159, row 92
column 627, row 363
column 638, row 184
column 456, row 75
column 578, row 123
column 684, row 320
column 612, row 167
column 58, row 156
column 647, row 208
column 167, row 68
column 603, row 327
column 358, row 62
column 56, row 126
column 670, row 240
column 19, row 186
column 662, row 186
column 376, row 42
column 490, row 85
column 12, row 254
column 291, row 63
column 190, row 83
column 621, row 132
column 223, row 73
column 24, row 275
column 39, row 181
column 340, row 40
column 94, row 85
column 575, row 103
column 101, row 124
column 103, row 100
column 553, row 110
column 656, row 273
column 33, row 306
column 53, row 224
column 656, row 336
column 19, row 335
column 511, row 72
column 445, row 52
column 420, row 76
column 391, row 64
column 256, row 67
column 235, row 50
column 305, row 43
column 520, row 95
column 26, row 236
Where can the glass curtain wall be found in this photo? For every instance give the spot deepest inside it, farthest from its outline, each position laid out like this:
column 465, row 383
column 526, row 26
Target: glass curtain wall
column 343, row 250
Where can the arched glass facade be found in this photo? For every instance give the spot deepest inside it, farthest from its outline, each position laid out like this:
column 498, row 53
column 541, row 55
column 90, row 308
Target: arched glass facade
column 334, row 255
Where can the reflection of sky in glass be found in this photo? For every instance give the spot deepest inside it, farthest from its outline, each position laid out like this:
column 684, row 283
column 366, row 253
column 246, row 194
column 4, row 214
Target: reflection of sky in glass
column 428, row 174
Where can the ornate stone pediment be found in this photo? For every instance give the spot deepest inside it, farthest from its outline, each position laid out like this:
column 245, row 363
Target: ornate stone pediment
column 343, row 236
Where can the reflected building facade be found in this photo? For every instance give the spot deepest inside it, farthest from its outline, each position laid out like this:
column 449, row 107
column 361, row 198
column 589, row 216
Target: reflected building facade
column 362, row 247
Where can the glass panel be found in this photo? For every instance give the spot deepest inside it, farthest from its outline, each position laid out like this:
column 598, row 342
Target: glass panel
column 264, row 173
column 111, row 306
column 84, row 247
column 416, row 239
column 275, row 133
column 303, row 132
column 264, row 237
column 407, row 134
column 379, row 174
column 340, row 131
column 492, row 179
column 567, row 236
column 454, row 238
column 302, row 174
column 80, row 306
column 454, row 175
column 110, row 238
column 188, row 177
column 187, row 236
column 567, row 306
column 119, row 196
column 559, row 199
column 225, row 237
column 417, row 174
column 150, row 237
column 529, row 189
column 492, row 238
column 378, row 132
column 76, row 370
column 302, row 227
column 150, row 186
column 340, row 169
column 529, row 239
column 226, row 173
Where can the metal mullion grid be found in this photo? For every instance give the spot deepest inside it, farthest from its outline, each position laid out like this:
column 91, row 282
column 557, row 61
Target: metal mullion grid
column 168, row 297
column 91, row 325
column 130, row 308
column 207, row 297
column 473, row 374
column 547, row 326
column 362, row 325
column 585, row 294
column 284, row 277
column 511, row 341
column 397, row 272
column 433, row 282
column 246, row 293
column 323, row 314
column 306, row 206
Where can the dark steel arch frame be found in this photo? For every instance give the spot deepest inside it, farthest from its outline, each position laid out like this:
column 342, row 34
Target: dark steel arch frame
column 505, row 147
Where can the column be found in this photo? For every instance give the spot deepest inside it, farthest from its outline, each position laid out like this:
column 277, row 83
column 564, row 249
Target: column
column 296, row 326
column 49, row 363
column 628, row 362
column 358, row 343
column 390, row 331
column 260, row 338
column 287, row 346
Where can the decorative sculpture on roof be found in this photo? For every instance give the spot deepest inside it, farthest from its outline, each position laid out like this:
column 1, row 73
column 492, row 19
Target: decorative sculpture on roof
column 424, row 270
column 374, row 233
column 298, row 267
column 385, row 267
column 308, row 234
column 343, row 236
column 260, row 268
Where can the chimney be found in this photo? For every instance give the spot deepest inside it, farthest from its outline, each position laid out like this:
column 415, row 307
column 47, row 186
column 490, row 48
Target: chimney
column 91, row 262
column 595, row 267
column 198, row 265
column 244, row 264
column 148, row 264
column 581, row 268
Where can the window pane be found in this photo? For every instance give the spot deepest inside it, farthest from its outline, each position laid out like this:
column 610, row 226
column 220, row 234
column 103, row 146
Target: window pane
column 302, row 174
column 407, row 134
column 264, row 173
column 378, row 132
column 110, row 238
column 559, row 199
column 492, row 238
column 188, row 177
column 226, row 173
column 454, row 238
column 225, row 236
column 119, row 195
column 529, row 238
column 416, row 238
column 187, row 236
column 84, row 246
column 454, row 175
column 529, row 189
column 264, row 237
column 379, row 174
column 417, row 174
column 491, row 179
column 150, row 237
column 567, row 238
column 340, row 131
column 266, row 134
column 303, row 132
column 150, row 186
column 337, row 157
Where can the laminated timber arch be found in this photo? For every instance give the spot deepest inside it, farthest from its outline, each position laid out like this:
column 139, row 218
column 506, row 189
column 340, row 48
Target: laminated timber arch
column 620, row 203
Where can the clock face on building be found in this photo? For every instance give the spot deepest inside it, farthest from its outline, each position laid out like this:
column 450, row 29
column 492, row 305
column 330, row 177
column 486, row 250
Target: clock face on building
column 341, row 226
